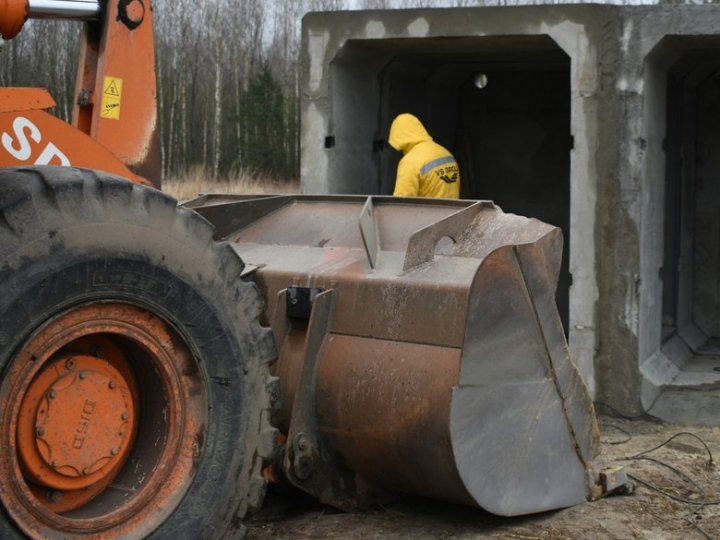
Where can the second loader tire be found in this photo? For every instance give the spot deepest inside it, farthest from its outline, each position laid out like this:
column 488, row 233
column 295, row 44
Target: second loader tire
column 135, row 392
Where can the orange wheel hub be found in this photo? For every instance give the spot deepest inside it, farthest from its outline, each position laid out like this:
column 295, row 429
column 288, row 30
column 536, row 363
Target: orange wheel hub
column 75, row 423
column 96, row 388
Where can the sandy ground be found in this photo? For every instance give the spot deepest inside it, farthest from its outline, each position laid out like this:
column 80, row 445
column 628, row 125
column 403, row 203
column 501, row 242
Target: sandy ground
column 644, row 514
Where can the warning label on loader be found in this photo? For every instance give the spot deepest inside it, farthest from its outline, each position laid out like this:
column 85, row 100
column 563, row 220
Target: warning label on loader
column 112, row 95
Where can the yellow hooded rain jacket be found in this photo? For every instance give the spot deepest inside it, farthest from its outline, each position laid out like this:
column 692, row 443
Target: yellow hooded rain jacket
column 426, row 168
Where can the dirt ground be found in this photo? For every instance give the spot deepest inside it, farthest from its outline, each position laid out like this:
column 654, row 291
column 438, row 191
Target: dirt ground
column 644, row 514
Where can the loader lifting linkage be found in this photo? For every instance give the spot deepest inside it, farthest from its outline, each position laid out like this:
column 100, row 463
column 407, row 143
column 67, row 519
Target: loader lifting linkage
column 398, row 345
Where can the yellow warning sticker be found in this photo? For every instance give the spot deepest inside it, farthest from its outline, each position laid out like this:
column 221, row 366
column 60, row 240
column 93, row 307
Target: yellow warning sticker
column 112, row 95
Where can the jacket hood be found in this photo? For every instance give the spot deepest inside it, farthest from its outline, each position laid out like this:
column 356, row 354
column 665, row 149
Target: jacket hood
column 406, row 131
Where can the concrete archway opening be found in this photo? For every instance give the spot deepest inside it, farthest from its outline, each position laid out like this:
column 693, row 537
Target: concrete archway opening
column 686, row 368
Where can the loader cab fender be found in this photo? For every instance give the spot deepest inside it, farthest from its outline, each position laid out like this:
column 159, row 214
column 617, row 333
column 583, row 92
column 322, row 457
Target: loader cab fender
column 19, row 144
column 29, row 135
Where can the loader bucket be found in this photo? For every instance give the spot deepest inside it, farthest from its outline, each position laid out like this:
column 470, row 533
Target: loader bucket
column 420, row 349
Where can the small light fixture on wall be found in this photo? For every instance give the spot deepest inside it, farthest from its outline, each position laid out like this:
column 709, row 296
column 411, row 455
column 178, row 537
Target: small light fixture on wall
column 480, row 80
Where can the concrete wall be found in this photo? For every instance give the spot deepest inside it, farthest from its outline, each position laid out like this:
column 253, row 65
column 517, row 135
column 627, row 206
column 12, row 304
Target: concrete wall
column 575, row 131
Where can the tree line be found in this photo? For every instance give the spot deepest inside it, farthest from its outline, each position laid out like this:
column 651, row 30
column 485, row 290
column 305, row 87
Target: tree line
column 228, row 77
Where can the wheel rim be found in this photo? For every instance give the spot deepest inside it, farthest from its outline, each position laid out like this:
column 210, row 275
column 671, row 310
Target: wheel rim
column 106, row 418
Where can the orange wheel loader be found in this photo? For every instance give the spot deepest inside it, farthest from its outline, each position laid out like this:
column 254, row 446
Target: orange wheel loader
column 159, row 362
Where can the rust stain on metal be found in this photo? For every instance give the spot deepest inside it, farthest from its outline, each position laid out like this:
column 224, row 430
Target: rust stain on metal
column 442, row 369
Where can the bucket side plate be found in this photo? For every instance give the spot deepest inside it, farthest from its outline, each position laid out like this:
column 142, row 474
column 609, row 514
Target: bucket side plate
column 522, row 423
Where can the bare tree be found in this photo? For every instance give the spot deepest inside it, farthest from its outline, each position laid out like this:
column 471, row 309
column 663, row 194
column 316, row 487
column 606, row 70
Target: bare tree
column 228, row 77
column 45, row 55
column 218, row 68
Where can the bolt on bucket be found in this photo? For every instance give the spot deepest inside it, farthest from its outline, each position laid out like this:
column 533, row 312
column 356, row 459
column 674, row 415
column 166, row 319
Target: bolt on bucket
column 421, row 350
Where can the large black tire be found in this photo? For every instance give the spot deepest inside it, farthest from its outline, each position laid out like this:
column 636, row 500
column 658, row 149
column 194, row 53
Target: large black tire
column 72, row 237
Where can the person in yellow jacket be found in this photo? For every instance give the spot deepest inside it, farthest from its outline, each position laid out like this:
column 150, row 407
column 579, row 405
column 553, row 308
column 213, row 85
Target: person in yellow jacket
column 426, row 168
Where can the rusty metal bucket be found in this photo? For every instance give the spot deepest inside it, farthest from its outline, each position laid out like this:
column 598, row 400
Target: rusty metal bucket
column 420, row 349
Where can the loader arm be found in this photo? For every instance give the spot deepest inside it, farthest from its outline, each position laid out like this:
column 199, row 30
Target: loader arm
column 114, row 122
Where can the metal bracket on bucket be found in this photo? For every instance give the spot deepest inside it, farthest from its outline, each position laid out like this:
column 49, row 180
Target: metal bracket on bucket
column 421, row 245
column 308, row 464
column 369, row 232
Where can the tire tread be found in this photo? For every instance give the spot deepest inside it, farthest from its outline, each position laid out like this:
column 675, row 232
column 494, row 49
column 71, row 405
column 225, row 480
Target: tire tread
column 36, row 201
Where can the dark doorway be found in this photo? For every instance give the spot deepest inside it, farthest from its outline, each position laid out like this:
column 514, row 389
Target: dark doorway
column 691, row 267
column 511, row 135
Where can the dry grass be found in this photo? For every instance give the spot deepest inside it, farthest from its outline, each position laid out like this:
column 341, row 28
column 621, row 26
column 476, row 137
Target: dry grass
column 197, row 180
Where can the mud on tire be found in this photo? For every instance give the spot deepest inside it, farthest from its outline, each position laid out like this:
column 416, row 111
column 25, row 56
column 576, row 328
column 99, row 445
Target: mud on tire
column 102, row 280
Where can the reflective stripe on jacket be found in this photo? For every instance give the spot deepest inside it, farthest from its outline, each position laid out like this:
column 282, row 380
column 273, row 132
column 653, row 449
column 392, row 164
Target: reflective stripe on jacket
column 426, row 169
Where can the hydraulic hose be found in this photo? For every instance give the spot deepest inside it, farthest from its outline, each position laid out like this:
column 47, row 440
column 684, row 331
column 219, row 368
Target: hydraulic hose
column 63, row 9
column 14, row 13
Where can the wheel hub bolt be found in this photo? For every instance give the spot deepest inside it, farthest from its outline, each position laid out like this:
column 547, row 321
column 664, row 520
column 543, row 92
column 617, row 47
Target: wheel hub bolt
column 52, row 394
column 112, row 385
column 40, row 431
column 70, row 364
column 125, row 416
column 55, row 496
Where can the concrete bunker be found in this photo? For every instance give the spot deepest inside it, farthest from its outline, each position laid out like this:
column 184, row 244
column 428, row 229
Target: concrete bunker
column 599, row 119
column 686, row 73
column 511, row 135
